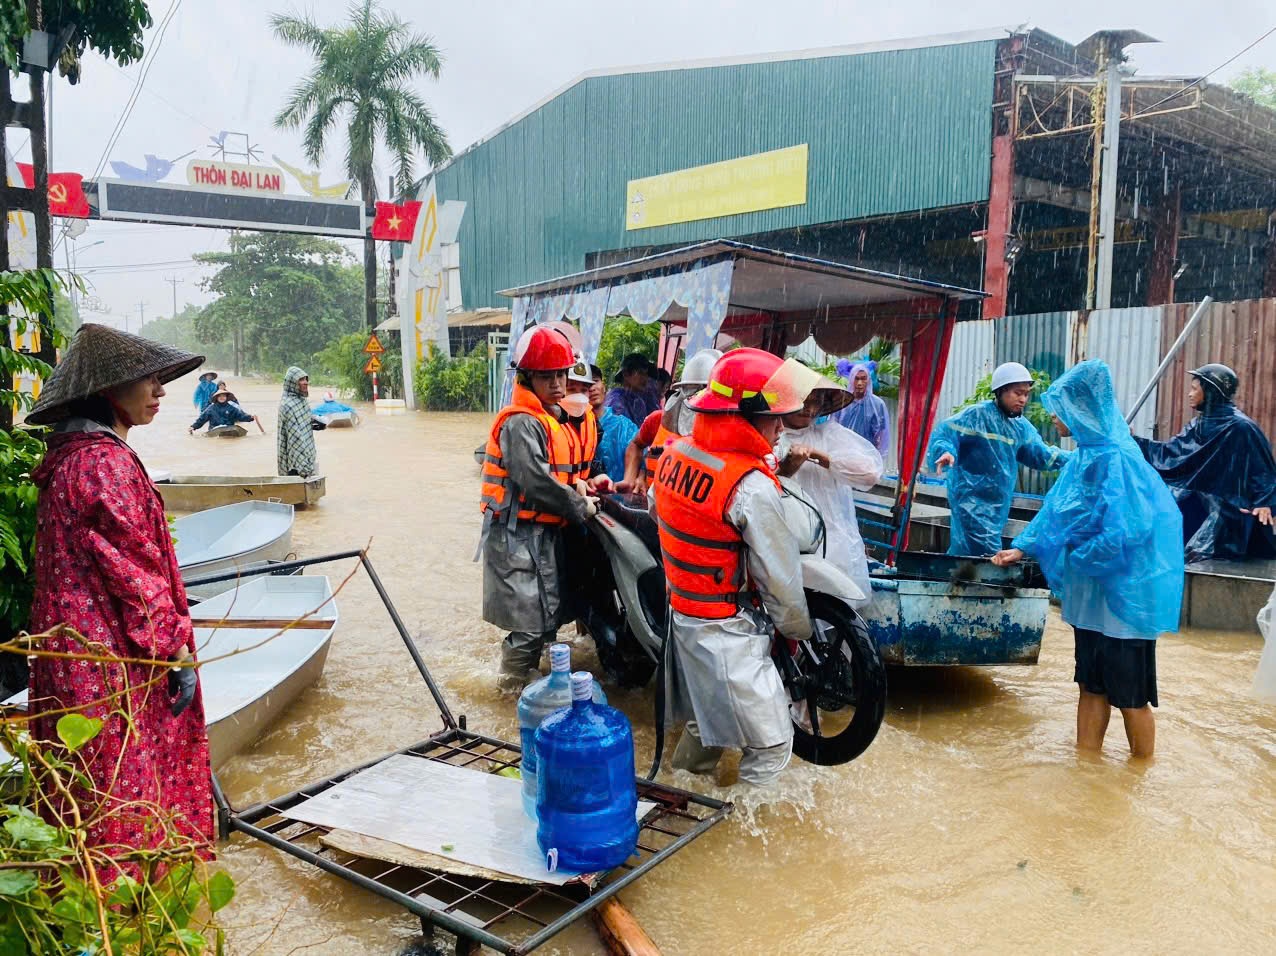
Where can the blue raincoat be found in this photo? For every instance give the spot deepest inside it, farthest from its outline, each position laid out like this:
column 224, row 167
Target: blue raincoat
column 614, row 434
column 204, row 394
column 868, row 416
column 1109, row 536
column 988, row 448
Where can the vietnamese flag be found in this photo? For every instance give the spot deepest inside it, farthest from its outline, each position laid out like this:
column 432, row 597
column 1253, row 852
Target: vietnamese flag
column 395, row 223
column 66, row 192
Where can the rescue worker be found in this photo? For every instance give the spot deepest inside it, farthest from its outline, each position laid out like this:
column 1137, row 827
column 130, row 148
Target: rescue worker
column 732, row 567
column 527, row 500
column 983, row 447
column 584, row 426
column 1221, row 472
column 665, row 424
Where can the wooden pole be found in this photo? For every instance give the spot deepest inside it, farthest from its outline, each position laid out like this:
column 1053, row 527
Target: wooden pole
column 620, row 931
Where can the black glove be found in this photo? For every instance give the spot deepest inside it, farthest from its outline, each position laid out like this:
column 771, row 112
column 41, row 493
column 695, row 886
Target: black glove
column 181, row 685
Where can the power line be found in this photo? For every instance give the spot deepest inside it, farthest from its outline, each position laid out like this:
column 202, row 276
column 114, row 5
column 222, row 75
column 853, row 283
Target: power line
column 1201, row 79
column 167, row 102
column 137, row 89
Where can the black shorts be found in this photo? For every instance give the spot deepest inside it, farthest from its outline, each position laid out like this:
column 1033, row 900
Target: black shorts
column 1121, row 669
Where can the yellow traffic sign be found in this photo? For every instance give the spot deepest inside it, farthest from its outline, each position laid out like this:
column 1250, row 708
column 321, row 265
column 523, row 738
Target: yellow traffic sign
column 373, row 366
column 373, row 346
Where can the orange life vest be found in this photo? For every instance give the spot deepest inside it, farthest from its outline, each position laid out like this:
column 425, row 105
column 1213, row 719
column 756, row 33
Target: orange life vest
column 657, row 447
column 561, row 440
column 704, row 555
column 584, row 443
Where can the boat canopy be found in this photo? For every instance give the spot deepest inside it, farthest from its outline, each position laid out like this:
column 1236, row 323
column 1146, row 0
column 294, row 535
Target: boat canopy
column 770, row 299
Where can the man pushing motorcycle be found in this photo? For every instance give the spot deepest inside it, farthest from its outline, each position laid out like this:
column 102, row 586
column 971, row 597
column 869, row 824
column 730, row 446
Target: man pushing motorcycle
column 733, row 567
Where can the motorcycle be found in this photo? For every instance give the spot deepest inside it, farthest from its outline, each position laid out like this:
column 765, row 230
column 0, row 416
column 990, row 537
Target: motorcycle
column 836, row 679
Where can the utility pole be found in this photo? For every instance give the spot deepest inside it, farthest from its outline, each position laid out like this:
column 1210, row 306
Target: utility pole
column 174, row 282
column 141, row 316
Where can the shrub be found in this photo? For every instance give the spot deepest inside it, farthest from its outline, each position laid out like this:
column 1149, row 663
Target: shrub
column 453, row 384
column 342, row 360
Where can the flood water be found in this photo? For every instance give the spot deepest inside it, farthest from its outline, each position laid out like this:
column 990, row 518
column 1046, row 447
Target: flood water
column 971, row 824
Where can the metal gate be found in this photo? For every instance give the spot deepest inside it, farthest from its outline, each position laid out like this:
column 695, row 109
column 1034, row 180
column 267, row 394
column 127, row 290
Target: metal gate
column 498, row 351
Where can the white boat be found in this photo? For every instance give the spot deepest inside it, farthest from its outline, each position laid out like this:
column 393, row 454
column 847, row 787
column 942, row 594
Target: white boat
column 233, row 536
column 245, row 693
column 226, row 431
column 340, row 419
column 197, row 492
column 279, row 655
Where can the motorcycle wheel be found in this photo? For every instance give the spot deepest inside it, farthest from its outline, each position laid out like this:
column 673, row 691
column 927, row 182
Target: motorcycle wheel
column 839, row 676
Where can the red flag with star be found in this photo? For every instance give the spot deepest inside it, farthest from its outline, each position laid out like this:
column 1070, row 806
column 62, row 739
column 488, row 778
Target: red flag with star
column 66, row 192
column 395, row 223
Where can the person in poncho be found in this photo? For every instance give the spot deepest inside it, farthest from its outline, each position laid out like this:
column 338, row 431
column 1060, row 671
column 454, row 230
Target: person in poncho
column 866, row 415
column 1221, row 472
column 296, row 442
column 1109, row 539
column 205, row 390
column 107, row 583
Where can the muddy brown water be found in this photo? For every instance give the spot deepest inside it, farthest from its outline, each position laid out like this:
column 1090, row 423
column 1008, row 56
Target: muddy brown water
column 970, row 824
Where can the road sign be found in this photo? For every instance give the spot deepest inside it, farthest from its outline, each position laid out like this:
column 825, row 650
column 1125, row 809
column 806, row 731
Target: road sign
column 373, row 346
column 373, row 366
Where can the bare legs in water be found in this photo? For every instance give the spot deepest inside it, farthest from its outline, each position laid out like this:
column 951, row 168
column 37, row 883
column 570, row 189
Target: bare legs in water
column 1093, row 712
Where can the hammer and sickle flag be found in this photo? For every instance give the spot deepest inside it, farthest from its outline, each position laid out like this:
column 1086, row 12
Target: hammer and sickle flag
column 66, row 192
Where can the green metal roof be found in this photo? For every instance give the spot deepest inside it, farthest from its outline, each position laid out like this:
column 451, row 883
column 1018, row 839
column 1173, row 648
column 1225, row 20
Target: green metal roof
column 889, row 131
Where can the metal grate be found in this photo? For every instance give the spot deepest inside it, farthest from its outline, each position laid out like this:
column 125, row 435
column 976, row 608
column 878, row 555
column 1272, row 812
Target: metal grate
column 507, row 917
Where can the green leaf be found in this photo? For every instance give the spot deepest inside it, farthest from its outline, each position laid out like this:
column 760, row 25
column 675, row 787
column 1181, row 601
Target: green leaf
column 193, row 941
column 16, row 883
column 13, row 942
column 221, row 890
column 30, row 831
column 512, row 772
column 76, row 730
column 123, row 890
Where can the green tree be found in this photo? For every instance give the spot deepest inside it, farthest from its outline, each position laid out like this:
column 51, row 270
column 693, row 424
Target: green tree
column 180, row 330
column 281, row 297
column 621, row 336
column 363, row 73
column 1258, row 84
column 112, row 27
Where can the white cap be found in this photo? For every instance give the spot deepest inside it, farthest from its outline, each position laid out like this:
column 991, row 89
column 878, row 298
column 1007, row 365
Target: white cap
column 1010, row 373
column 695, row 371
column 582, row 685
column 560, row 657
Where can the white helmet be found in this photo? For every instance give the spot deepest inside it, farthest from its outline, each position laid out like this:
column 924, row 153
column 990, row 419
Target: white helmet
column 1010, row 373
column 695, row 371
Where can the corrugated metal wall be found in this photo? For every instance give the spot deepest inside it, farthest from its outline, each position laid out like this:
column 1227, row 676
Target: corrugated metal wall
column 970, row 359
column 1042, row 341
column 1239, row 334
column 551, row 187
column 1129, row 340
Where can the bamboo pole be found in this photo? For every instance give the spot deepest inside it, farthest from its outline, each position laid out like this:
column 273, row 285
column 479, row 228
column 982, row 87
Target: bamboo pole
column 620, row 931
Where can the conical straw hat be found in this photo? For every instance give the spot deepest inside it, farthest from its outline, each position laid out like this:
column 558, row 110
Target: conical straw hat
column 101, row 357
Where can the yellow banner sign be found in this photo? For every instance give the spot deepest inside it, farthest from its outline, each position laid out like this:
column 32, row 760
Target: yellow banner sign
column 748, row 184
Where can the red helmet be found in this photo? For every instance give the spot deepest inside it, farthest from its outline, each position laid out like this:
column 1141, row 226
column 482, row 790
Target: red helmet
column 542, row 349
column 753, row 382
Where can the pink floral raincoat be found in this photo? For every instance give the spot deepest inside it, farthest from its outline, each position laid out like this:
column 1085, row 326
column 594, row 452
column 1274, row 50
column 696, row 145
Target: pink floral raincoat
column 106, row 568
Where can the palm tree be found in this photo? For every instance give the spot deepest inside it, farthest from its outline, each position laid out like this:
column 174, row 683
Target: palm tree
column 363, row 71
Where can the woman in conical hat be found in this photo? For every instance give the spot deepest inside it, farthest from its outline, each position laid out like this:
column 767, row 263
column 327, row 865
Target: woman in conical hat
column 107, row 580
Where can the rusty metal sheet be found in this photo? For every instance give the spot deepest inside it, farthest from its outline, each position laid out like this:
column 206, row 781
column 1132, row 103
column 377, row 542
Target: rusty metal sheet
column 1240, row 334
column 1129, row 340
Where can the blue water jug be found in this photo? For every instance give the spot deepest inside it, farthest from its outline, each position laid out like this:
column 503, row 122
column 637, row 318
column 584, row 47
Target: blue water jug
column 538, row 700
column 586, row 799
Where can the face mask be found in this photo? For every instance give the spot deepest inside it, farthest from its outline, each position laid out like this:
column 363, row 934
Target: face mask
column 822, row 419
column 575, row 404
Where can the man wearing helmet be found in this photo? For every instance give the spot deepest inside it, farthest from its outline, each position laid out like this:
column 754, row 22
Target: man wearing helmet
column 528, row 498
column 982, row 447
column 1221, row 472
column 732, row 566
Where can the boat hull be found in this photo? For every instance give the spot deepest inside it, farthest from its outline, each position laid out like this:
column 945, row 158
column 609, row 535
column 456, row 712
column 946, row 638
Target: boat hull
column 226, row 431
column 232, row 537
column 340, row 419
column 198, row 492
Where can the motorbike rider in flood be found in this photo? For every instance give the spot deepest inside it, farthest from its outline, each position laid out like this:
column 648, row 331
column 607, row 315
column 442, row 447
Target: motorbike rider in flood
column 528, row 500
column 732, row 566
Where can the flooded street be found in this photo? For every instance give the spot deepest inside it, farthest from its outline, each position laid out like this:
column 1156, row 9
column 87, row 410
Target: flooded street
column 970, row 824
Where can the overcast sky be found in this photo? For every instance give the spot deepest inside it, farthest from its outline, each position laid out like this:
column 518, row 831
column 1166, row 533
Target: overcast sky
column 218, row 67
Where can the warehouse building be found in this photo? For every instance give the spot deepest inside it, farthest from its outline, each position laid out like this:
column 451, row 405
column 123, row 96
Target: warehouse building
column 966, row 158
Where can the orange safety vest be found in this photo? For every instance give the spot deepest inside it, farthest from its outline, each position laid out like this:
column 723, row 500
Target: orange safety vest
column 704, row 555
column 584, row 443
column 496, row 480
column 657, row 448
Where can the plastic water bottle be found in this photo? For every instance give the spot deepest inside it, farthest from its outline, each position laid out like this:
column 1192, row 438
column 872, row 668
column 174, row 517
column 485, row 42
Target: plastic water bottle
column 538, row 700
column 586, row 800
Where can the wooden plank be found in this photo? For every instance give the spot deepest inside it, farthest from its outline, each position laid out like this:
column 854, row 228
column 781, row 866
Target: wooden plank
column 620, row 931
column 263, row 623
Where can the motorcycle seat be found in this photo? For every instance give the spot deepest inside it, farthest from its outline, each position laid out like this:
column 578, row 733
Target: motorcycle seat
column 631, row 512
